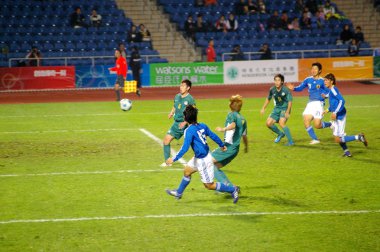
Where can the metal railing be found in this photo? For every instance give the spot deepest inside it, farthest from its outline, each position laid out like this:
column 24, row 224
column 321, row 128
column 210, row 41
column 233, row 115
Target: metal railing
column 227, row 56
column 91, row 58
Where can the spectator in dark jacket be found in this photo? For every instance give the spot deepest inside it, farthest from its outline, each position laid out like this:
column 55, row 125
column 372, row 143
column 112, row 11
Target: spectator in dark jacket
column 266, row 52
column 346, row 35
column 353, row 48
column 134, row 36
column 359, row 36
column 77, row 19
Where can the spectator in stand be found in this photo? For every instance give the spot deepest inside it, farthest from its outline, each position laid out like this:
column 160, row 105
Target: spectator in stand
column 312, row 5
column 274, row 22
column 309, row 14
column 232, row 23
column 353, row 48
column 77, row 19
column 144, row 33
column 299, row 7
column 123, row 50
column 240, row 8
column 320, row 18
column 262, row 8
column 96, row 19
column 237, row 53
column 252, row 7
column 199, row 3
column 133, row 35
column 135, row 64
column 210, row 2
column 285, row 21
column 346, row 35
column 210, row 51
column 295, row 24
column 200, row 25
column 190, row 28
column 266, row 53
column 34, row 57
column 305, row 22
column 329, row 11
column 359, row 36
column 221, row 24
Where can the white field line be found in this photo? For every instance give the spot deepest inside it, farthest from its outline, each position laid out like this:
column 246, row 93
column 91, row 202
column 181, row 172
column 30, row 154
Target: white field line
column 64, row 131
column 159, row 141
column 86, row 172
column 152, row 113
column 167, row 216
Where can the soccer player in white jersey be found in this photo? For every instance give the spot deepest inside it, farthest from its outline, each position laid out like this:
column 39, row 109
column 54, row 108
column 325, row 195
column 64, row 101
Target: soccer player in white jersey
column 314, row 107
column 195, row 136
column 338, row 116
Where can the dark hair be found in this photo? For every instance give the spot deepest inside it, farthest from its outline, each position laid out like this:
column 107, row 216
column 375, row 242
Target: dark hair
column 331, row 77
column 190, row 113
column 281, row 77
column 187, row 82
column 317, row 64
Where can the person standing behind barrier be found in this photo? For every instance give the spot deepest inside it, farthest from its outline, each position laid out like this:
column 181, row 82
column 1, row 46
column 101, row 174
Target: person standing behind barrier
column 121, row 71
column 210, row 51
column 135, row 64
column 266, row 52
column 34, row 57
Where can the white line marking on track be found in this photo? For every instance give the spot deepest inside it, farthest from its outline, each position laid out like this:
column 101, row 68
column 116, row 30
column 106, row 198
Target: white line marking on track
column 159, row 141
column 166, row 216
column 85, row 172
column 63, row 131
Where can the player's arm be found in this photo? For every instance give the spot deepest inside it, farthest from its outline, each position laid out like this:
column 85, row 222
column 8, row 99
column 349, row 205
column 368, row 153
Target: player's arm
column 185, row 147
column 216, row 139
column 289, row 97
column 264, row 106
column 231, row 126
column 298, row 88
column 171, row 113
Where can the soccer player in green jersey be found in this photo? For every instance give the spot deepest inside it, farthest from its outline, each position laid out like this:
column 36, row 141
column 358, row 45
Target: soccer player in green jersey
column 281, row 111
column 235, row 128
column 181, row 100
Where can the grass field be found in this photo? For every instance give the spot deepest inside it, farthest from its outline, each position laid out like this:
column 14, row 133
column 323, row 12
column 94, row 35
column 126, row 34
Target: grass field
column 86, row 177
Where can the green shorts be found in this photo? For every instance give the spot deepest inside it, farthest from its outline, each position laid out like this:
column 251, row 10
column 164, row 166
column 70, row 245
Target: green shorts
column 277, row 113
column 175, row 131
column 225, row 157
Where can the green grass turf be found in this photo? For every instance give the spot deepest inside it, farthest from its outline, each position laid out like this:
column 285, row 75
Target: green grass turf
column 37, row 141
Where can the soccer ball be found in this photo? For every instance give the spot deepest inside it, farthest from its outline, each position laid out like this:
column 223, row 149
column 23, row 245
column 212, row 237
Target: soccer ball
column 125, row 104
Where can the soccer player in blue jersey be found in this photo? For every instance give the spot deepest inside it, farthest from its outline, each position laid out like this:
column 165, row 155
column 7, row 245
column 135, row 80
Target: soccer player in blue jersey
column 181, row 100
column 195, row 136
column 338, row 116
column 281, row 111
column 314, row 107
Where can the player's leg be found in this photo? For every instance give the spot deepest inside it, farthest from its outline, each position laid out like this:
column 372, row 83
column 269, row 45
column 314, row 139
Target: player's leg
column 118, row 85
column 272, row 119
column 219, row 174
column 186, row 179
column 286, row 130
column 310, row 112
column 166, row 145
column 173, row 132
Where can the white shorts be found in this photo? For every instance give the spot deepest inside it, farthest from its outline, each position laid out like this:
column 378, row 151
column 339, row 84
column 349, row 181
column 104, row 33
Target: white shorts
column 314, row 108
column 338, row 127
column 204, row 166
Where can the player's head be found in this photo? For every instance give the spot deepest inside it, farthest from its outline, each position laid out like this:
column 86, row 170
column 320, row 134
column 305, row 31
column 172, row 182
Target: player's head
column 279, row 80
column 185, row 86
column 117, row 53
column 190, row 113
column 316, row 68
column 236, row 102
column 329, row 80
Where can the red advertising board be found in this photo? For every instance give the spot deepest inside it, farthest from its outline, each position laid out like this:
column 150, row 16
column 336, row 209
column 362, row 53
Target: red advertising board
column 20, row 78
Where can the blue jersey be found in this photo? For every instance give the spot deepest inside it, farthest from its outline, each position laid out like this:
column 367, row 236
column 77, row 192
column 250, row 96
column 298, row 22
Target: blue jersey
column 316, row 88
column 195, row 136
column 337, row 102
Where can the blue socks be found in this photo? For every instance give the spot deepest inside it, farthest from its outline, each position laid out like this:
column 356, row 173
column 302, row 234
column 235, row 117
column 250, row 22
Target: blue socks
column 184, row 183
column 326, row 125
column 346, row 139
column 311, row 133
column 344, row 146
column 224, row 188
column 221, row 176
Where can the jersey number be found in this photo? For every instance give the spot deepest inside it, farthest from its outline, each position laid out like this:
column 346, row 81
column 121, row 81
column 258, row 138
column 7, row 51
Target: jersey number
column 202, row 136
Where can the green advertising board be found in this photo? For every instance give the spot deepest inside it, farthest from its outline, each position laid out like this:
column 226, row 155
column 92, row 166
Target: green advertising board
column 376, row 67
column 163, row 74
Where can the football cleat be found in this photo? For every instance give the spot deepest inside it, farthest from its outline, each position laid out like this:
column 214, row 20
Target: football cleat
column 278, row 138
column 235, row 194
column 165, row 165
column 347, row 153
column 363, row 140
column 174, row 193
column 315, row 141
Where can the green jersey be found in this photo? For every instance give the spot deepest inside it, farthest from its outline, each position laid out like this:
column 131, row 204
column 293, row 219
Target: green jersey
column 180, row 104
column 233, row 137
column 281, row 98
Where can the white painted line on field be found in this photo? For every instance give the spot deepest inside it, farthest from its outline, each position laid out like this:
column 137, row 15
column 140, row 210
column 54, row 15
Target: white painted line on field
column 64, row 131
column 86, row 172
column 166, row 216
column 159, row 141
